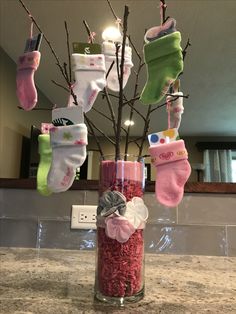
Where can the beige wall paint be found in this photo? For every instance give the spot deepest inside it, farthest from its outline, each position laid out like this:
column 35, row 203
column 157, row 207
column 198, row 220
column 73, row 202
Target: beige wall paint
column 15, row 122
column 108, row 149
column 194, row 156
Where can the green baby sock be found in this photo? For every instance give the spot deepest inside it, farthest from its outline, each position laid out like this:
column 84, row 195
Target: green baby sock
column 45, row 153
column 164, row 61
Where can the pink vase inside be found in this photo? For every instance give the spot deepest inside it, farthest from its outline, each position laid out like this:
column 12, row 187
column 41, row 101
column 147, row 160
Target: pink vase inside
column 120, row 266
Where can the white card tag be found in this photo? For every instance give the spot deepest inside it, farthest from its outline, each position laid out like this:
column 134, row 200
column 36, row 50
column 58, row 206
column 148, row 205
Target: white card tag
column 163, row 137
column 67, row 116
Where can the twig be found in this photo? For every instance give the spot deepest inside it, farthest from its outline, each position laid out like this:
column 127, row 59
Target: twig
column 132, row 106
column 100, row 131
column 108, row 118
column 139, row 113
column 110, row 95
column 165, row 103
column 135, row 49
column 61, row 67
column 66, row 73
column 119, row 118
column 37, row 108
column 113, row 118
column 179, row 96
column 94, row 136
column 136, row 139
column 88, row 31
column 68, row 50
column 112, row 10
column 117, row 60
column 131, row 100
column 58, row 63
column 163, row 8
column 58, row 84
column 110, row 68
column 145, row 130
column 184, row 52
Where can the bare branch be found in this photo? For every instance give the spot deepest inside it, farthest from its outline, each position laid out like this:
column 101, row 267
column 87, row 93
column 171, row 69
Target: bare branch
column 135, row 49
column 58, row 84
column 110, row 68
column 145, row 130
column 95, row 137
column 178, row 96
column 120, row 107
column 165, row 103
column 99, row 130
column 184, row 52
column 88, row 31
column 113, row 118
column 132, row 103
column 112, row 10
column 68, row 50
column 139, row 113
column 58, row 63
column 163, row 8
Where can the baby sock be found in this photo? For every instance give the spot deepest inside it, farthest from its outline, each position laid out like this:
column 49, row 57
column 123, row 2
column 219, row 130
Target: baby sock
column 68, row 153
column 45, row 153
column 109, row 50
column 173, row 170
column 25, row 87
column 90, row 77
column 176, row 109
column 164, row 61
column 159, row 31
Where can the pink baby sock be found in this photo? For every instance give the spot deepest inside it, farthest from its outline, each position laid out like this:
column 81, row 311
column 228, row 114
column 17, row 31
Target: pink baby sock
column 176, row 109
column 173, row 170
column 26, row 90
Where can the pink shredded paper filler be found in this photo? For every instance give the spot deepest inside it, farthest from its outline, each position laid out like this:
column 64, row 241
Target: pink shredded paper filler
column 120, row 265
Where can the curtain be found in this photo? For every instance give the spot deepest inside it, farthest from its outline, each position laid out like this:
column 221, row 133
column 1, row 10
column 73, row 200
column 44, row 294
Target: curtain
column 218, row 166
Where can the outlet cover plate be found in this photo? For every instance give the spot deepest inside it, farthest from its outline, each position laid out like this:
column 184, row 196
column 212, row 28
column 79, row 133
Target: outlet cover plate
column 83, row 217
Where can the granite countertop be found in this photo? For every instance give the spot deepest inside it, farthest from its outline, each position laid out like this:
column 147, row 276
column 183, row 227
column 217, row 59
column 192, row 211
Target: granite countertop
column 61, row 281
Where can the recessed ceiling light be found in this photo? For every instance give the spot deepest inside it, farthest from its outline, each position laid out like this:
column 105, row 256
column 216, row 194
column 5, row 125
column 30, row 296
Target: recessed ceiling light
column 129, row 123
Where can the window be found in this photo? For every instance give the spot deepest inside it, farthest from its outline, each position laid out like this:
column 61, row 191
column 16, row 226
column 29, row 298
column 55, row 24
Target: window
column 233, row 165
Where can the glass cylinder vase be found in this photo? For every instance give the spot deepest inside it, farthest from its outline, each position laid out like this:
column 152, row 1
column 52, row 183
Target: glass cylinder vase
column 121, row 218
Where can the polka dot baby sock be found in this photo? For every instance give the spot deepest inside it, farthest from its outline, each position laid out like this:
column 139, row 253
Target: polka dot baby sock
column 176, row 109
column 25, row 87
column 90, row 77
column 164, row 61
column 109, row 50
column 45, row 153
column 68, row 153
column 172, row 171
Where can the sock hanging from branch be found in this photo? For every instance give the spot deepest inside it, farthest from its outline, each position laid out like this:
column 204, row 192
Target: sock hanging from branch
column 173, row 170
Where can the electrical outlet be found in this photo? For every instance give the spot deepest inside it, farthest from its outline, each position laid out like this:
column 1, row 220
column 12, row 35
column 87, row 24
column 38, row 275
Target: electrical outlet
column 83, row 217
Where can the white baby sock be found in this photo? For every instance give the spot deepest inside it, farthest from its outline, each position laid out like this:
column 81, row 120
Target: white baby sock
column 90, row 77
column 68, row 153
column 109, row 50
column 176, row 109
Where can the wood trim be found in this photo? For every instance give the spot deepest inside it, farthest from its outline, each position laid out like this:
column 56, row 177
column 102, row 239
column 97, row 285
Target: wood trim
column 190, row 187
column 30, row 184
column 201, row 146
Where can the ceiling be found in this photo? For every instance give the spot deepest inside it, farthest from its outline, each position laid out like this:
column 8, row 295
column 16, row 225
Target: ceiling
column 210, row 65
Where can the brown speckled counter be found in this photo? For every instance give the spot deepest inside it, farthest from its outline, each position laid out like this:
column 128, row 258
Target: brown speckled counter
column 61, row 281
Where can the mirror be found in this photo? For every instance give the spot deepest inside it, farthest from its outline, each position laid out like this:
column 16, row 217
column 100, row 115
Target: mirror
column 208, row 77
